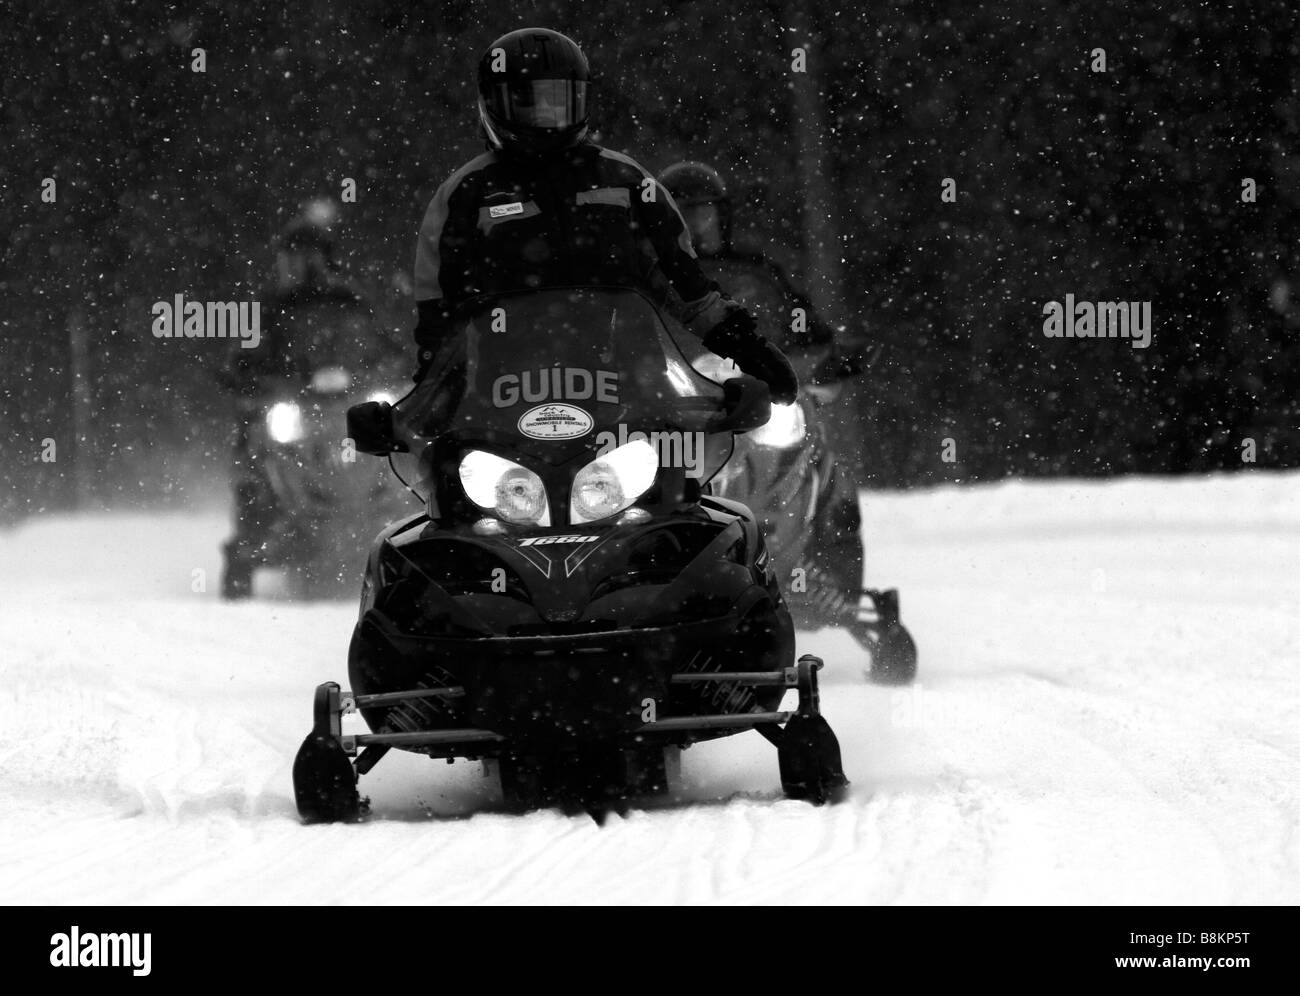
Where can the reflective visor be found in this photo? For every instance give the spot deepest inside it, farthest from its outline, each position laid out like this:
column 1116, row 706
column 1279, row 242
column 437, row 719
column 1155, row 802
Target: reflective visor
column 540, row 103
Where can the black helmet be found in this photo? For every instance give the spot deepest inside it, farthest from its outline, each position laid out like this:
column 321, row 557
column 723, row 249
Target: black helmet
column 304, row 249
column 694, row 185
column 532, row 88
column 311, row 229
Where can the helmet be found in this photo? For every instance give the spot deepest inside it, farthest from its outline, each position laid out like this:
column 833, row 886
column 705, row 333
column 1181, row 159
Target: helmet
column 696, row 187
column 305, row 247
column 694, row 183
column 312, row 228
column 532, row 89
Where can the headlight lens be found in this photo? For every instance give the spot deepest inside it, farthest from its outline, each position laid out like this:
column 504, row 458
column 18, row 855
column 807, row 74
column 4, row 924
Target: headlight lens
column 785, row 429
column 513, row 492
column 284, row 422
column 612, row 482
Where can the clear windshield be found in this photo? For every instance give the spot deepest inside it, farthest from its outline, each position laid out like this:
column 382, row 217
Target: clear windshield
column 552, row 371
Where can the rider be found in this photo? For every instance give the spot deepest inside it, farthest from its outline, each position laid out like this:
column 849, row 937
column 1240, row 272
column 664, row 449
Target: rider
column 833, row 565
column 309, row 301
column 545, row 206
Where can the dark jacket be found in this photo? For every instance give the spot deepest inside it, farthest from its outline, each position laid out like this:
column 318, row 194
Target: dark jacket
column 584, row 216
column 313, row 325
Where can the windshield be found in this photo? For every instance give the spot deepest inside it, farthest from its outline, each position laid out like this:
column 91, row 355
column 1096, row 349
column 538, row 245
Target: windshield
column 552, row 373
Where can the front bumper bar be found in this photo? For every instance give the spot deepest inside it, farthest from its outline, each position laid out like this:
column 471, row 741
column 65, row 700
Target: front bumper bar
column 332, row 703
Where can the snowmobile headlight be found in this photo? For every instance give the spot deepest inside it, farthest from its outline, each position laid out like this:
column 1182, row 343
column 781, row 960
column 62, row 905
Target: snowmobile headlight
column 611, row 483
column 515, row 493
column 284, row 422
column 785, row 429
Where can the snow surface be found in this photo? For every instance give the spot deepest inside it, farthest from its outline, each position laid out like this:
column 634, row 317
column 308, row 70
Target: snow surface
column 1109, row 712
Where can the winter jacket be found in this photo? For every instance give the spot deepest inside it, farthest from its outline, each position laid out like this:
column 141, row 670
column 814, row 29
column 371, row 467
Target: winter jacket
column 313, row 325
column 583, row 216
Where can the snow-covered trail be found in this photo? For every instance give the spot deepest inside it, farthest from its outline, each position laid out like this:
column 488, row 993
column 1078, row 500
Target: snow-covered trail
column 1109, row 712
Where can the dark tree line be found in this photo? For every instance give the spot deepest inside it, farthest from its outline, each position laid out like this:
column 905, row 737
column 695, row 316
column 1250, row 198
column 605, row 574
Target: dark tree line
column 1116, row 185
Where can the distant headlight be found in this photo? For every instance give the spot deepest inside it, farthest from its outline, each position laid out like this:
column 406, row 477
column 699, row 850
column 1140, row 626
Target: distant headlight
column 513, row 492
column 330, row 380
column 284, row 422
column 612, row 482
column 383, row 397
column 785, row 429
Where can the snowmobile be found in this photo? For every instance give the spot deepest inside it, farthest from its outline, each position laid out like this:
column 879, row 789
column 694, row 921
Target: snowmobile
column 316, row 506
column 572, row 606
column 786, row 472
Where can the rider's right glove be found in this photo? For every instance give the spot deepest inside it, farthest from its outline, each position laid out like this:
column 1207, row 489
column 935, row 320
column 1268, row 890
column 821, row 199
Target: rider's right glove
column 736, row 337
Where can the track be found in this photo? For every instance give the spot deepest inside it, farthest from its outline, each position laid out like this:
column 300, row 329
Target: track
column 1109, row 712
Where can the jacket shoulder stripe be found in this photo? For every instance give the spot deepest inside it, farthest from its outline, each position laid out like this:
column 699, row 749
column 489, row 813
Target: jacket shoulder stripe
column 428, row 251
column 618, row 157
column 683, row 234
column 473, row 166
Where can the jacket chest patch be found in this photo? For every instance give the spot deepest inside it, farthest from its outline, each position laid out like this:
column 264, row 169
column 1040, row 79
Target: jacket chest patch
column 617, row 196
column 491, row 215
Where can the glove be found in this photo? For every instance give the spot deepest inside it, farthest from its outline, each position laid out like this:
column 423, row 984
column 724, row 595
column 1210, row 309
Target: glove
column 736, row 337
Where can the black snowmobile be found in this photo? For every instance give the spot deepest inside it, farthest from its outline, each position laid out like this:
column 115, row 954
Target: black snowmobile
column 573, row 605
column 305, row 502
column 787, row 472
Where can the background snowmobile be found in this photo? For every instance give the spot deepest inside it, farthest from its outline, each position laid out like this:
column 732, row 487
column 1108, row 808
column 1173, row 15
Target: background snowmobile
column 571, row 604
column 314, row 507
column 786, row 472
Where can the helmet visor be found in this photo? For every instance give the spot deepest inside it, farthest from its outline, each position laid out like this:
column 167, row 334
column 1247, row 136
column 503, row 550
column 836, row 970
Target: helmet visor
column 540, row 103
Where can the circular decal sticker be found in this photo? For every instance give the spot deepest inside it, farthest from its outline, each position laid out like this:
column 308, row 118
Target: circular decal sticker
column 555, row 422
